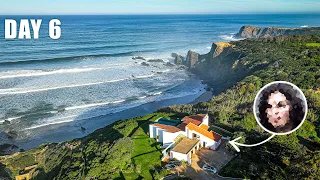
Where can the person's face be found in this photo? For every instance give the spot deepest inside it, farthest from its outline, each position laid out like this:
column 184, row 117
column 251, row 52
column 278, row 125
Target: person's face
column 279, row 109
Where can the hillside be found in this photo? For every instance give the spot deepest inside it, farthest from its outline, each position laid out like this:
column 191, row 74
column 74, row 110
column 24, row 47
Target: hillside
column 120, row 150
column 289, row 58
column 225, row 65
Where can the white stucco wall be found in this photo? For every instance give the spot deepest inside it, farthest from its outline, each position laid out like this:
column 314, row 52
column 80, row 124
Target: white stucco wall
column 151, row 131
column 209, row 142
column 189, row 157
column 160, row 134
column 187, row 133
column 206, row 120
column 169, row 137
column 155, row 131
column 178, row 156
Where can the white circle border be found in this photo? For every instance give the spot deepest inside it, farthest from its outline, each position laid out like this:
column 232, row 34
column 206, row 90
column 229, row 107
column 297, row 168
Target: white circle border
column 305, row 106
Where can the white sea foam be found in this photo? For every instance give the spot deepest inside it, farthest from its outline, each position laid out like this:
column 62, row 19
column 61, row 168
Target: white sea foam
column 164, row 71
column 18, row 117
column 157, row 93
column 304, row 26
column 24, row 90
column 33, row 73
column 10, row 119
column 229, row 38
column 117, row 102
column 209, row 47
column 55, row 121
column 144, row 76
column 85, row 106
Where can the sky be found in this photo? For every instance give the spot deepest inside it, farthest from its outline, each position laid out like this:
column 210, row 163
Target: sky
column 38, row 7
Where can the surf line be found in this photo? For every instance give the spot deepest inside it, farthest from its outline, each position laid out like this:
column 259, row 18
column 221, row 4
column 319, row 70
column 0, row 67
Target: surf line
column 22, row 91
column 53, row 122
column 61, row 87
column 35, row 73
column 44, row 73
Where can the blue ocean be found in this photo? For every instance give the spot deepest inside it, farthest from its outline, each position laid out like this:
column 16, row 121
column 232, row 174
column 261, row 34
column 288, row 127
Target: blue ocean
column 50, row 89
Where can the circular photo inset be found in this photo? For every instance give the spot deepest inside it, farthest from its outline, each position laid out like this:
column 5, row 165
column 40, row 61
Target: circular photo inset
column 280, row 107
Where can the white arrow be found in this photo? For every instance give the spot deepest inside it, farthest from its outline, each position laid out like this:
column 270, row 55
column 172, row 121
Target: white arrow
column 234, row 143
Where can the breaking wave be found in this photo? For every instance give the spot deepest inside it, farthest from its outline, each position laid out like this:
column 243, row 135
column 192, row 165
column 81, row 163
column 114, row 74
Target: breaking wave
column 25, row 90
column 56, row 121
column 10, row 119
column 229, row 38
column 32, row 73
column 130, row 53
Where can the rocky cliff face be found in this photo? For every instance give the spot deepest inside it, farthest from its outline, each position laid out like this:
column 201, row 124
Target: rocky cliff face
column 219, row 67
column 219, row 49
column 258, row 32
column 225, row 64
column 192, row 59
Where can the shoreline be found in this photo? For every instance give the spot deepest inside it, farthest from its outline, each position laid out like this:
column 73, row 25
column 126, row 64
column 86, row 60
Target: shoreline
column 64, row 132
column 204, row 97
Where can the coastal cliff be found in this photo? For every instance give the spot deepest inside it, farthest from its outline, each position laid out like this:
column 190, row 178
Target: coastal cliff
column 258, row 32
column 219, row 68
column 229, row 62
column 293, row 59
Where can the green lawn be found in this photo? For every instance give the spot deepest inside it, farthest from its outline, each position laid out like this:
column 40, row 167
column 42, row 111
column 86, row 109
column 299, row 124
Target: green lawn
column 313, row 44
column 146, row 154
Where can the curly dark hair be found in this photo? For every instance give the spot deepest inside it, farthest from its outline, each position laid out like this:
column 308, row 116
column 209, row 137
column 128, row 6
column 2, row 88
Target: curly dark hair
column 297, row 111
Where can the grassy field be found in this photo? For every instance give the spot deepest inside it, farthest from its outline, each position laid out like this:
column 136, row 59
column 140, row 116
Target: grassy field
column 313, row 44
column 147, row 153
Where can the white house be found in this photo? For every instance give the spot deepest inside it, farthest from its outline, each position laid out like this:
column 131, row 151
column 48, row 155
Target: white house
column 184, row 149
column 193, row 129
column 208, row 139
column 164, row 133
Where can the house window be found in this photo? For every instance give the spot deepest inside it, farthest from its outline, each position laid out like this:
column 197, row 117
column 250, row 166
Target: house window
column 195, row 136
column 204, row 144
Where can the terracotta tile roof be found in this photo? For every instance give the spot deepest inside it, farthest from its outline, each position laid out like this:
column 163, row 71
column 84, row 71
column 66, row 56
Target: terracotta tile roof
column 208, row 134
column 168, row 128
column 201, row 115
column 185, row 145
column 205, row 127
column 197, row 120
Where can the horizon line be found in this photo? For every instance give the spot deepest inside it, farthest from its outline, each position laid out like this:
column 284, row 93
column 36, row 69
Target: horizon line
column 138, row 14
